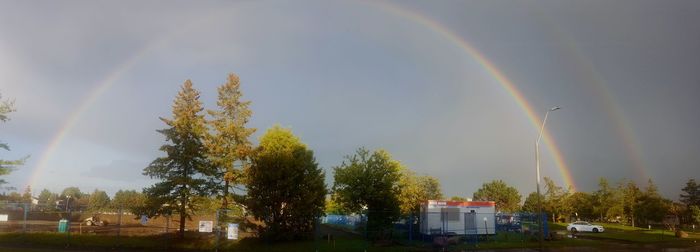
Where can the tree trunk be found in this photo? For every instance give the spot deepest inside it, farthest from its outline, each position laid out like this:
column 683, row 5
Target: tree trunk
column 224, row 203
column 181, row 234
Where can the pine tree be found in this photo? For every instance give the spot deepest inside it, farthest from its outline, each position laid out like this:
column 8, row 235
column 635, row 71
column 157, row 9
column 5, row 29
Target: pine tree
column 691, row 193
column 229, row 146
column 185, row 171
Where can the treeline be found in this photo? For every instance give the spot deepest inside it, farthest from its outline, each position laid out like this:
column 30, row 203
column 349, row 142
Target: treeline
column 624, row 202
column 72, row 199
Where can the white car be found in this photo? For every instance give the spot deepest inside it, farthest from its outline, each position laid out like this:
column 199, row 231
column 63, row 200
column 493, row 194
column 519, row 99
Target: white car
column 582, row 226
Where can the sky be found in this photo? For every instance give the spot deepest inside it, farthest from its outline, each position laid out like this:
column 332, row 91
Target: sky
column 427, row 81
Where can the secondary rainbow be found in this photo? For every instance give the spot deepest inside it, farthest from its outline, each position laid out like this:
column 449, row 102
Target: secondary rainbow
column 501, row 78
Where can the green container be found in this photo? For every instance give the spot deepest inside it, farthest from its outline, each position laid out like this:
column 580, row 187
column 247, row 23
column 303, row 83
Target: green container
column 62, row 226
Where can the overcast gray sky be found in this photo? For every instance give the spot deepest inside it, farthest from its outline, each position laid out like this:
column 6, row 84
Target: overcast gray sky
column 346, row 74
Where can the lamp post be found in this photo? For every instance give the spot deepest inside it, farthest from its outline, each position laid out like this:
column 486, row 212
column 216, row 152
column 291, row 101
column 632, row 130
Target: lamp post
column 537, row 160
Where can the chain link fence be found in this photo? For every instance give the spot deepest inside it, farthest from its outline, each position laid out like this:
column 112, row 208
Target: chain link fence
column 226, row 227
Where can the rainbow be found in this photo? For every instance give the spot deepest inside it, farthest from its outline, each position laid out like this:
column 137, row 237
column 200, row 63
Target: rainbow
column 632, row 148
column 102, row 86
column 433, row 25
column 501, row 78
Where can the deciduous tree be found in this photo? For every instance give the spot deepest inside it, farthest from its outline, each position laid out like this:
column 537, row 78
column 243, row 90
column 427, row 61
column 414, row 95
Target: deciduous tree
column 507, row 198
column 7, row 166
column 286, row 188
column 369, row 184
column 129, row 200
column 99, row 201
column 416, row 190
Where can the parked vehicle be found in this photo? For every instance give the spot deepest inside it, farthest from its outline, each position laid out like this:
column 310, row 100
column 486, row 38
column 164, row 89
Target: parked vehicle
column 582, row 226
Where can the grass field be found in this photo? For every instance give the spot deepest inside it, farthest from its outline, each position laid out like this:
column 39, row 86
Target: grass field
column 615, row 236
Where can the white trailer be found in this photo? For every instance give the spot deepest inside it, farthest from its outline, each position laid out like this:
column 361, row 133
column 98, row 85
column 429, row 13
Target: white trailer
column 439, row 217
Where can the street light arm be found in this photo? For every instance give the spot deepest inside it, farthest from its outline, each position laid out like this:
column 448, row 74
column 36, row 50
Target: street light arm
column 539, row 137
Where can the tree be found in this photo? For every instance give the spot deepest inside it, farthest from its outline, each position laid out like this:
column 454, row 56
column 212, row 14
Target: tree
column 555, row 200
column 691, row 193
column 286, row 188
column 7, row 166
column 229, row 142
column 416, row 190
column 44, row 196
column 530, row 204
column 184, row 171
column 458, row 198
column 507, row 198
column 369, row 183
column 695, row 214
column 129, row 200
column 27, row 195
column 71, row 197
column 650, row 206
column 332, row 207
column 603, row 198
column 99, row 201
column 72, row 192
column 630, row 195
column 583, row 205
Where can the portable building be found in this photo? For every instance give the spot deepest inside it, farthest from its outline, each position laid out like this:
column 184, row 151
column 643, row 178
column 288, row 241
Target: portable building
column 458, row 217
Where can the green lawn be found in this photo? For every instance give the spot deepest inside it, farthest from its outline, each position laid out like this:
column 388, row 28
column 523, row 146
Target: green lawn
column 614, row 235
column 634, row 235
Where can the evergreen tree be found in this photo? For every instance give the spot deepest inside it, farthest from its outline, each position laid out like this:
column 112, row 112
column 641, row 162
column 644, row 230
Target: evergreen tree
column 229, row 144
column 184, row 172
column 691, row 193
column 286, row 188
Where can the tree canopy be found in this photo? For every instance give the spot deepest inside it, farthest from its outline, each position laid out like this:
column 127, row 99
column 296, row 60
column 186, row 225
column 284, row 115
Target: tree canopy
column 369, row 183
column 415, row 190
column 507, row 198
column 286, row 188
column 6, row 166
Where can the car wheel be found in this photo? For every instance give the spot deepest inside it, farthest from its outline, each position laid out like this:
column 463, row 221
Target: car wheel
column 573, row 229
column 595, row 230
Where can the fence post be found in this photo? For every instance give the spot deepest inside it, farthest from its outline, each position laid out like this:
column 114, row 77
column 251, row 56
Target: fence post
column 119, row 225
column 410, row 228
column 26, row 211
column 218, row 231
column 317, row 232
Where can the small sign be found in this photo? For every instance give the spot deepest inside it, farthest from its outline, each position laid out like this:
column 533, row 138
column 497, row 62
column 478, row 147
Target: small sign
column 3, row 217
column 206, row 226
column 232, row 231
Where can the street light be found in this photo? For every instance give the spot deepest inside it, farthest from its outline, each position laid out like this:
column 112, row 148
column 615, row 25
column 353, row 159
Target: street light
column 537, row 160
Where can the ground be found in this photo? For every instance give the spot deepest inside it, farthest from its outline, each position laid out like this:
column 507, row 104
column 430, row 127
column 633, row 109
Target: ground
column 616, row 238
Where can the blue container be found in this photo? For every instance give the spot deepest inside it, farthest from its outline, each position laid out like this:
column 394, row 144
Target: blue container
column 62, row 226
